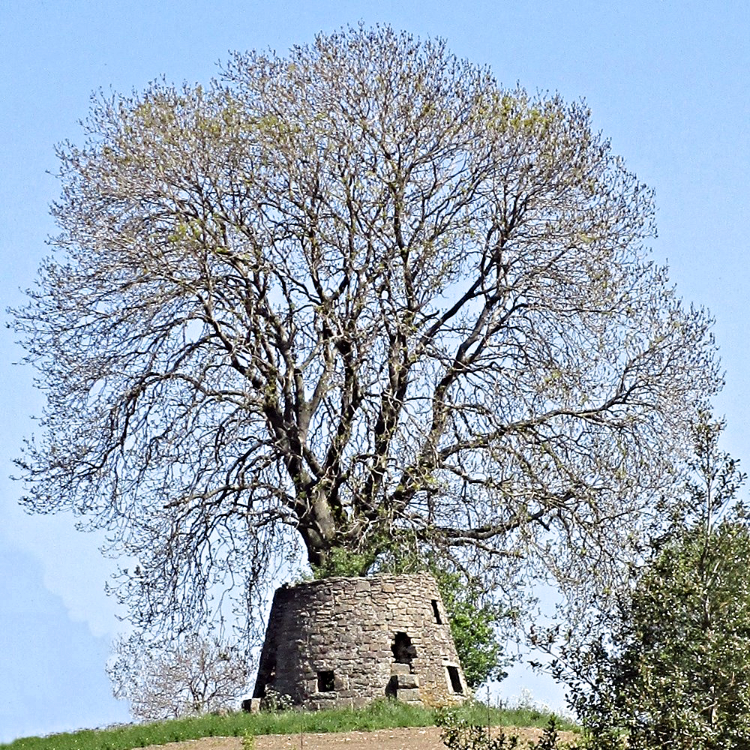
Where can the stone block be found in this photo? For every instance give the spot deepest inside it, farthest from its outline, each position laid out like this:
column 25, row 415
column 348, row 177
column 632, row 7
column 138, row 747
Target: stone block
column 407, row 682
column 409, row 696
column 251, row 705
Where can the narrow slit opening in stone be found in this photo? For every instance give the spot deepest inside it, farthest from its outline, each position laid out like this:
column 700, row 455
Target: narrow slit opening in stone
column 436, row 612
column 326, row 682
column 455, row 679
column 391, row 689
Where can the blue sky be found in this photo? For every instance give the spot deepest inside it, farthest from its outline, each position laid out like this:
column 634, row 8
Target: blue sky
column 668, row 81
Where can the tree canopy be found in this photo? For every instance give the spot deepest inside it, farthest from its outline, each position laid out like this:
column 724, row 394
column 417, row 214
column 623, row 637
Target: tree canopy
column 355, row 298
column 188, row 676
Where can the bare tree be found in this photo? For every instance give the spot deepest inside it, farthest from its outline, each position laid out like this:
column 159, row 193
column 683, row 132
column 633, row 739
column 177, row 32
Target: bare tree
column 191, row 675
column 359, row 297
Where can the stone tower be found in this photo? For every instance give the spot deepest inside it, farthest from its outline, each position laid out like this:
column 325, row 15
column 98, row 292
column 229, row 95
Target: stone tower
column 347, row 641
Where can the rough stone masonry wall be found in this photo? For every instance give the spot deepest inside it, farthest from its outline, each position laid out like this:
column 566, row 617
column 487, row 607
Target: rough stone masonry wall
column 348, row 641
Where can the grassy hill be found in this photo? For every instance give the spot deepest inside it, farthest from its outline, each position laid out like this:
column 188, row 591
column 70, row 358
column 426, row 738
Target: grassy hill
column 379, row 715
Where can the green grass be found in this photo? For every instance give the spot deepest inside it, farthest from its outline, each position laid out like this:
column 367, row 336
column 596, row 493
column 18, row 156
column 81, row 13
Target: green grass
column 379, row 715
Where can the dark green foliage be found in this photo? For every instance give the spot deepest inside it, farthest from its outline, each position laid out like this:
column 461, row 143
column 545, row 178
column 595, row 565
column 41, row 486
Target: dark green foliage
column 458, row 733
column 474, row 625
column 684, row 675
column 549, row 737
column 342, row 562
column 676, row 673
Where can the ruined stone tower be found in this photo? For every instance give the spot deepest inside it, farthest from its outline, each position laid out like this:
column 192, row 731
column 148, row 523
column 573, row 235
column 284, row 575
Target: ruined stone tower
column 348, row 641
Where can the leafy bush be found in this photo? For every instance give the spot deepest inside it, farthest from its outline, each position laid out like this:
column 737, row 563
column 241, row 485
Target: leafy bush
column 682, row 678
column 474, row 626
column 458, row 733
column 274, row 701
column 676, row 672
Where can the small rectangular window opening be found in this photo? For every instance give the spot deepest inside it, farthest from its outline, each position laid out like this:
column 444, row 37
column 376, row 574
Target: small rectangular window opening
column 325, row 681
column 455, row 679
column 436, row 612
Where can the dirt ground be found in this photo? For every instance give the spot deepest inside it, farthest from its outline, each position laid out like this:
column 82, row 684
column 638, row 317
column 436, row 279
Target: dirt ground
column 418, row 738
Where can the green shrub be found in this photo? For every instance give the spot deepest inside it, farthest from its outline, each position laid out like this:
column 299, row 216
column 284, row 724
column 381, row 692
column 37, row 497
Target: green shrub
column 474, row 624
column 459, row 734
column 675, row 672
column 683, row 675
